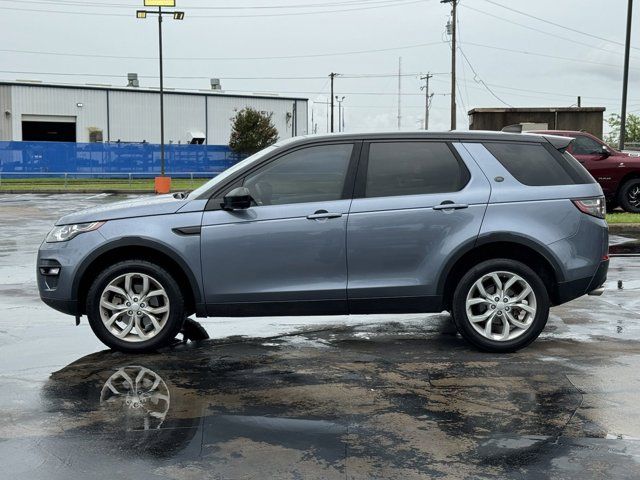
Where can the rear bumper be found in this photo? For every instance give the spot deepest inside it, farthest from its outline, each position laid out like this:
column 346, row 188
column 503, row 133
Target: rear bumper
column 568, row 291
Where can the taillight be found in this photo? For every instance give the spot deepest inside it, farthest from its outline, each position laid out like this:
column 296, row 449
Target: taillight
column 596, row 207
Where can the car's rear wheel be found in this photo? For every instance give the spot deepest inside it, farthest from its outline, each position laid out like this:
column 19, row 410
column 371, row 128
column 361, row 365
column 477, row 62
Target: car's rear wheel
column 500, row 305
column 629, row 196
column 135, row 306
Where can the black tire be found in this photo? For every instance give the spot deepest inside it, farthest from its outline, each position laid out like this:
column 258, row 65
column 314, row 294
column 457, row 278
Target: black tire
column 629, row 196
column 173, row 323
column 463, row 324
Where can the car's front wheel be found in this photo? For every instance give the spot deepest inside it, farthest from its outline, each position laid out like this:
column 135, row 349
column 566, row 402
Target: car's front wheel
column 135, row 306
column 629, row 197
column 500, row 305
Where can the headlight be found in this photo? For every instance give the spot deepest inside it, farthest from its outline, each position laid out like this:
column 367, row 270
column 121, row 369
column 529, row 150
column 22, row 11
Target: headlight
column 67, row 232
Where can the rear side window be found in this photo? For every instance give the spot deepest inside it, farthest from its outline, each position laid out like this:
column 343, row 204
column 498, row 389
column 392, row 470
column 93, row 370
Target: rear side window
column 534, row 165
column 413, row 168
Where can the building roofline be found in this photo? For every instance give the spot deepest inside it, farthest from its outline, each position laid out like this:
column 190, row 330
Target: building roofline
column 167, row 91
column 536, row 109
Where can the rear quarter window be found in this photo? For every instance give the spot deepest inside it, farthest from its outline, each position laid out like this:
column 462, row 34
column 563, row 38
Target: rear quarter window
column 536, row 165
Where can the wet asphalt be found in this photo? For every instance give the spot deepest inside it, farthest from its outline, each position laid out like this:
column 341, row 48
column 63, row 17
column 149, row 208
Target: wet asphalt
column 376, row 396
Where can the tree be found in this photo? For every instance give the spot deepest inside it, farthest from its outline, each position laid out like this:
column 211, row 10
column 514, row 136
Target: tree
column 252, row 131
column 633, row 129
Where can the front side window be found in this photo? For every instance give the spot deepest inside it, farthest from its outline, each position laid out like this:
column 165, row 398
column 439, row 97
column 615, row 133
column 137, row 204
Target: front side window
column 312, row 174
column 585, row 146
column 413, row 168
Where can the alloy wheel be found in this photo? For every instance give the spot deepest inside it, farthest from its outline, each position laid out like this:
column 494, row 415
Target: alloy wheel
column 134, row 307
column 501, row 306
column 633, row 196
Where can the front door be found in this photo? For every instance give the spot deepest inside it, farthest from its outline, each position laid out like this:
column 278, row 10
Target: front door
column 287, row 253
column 416, row 202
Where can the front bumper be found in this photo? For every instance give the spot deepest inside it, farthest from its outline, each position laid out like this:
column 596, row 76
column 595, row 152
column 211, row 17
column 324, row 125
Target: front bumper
column 57, row 291
column 568, row 291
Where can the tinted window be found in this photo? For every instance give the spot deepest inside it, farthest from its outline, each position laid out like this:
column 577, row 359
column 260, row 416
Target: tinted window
column 412, row 168
column 585, row 146
column 312, row 174
column 533, row 164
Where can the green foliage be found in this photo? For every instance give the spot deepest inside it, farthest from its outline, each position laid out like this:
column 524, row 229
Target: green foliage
column 633, row 129
column 252, row 131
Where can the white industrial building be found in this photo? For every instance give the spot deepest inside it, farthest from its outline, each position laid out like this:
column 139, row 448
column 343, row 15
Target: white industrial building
column 33, row 111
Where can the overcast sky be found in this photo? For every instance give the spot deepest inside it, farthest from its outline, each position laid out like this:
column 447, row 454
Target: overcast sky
column 524, row 61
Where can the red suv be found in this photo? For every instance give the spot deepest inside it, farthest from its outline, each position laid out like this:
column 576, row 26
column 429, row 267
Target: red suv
column 617, row 172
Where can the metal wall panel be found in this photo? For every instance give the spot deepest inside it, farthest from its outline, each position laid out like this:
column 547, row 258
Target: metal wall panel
column 222, row 109
column 134, row 116
column 5, row 119
column 302, row 110
column 44, row 100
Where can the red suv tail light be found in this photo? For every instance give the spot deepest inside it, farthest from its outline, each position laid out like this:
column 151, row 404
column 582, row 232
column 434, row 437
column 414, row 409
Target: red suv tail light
column 596, row 207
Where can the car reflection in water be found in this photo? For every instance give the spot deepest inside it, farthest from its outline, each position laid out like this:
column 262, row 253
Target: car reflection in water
column 139, row 395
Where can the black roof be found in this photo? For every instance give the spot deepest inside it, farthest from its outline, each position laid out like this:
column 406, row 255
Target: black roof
column 469, row 136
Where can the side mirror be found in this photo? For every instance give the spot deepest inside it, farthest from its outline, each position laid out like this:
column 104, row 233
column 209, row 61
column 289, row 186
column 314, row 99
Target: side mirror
column 237, row 199
column 605, row 152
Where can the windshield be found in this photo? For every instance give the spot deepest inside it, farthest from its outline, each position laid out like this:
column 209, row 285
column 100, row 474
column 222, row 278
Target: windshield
column 230, row 171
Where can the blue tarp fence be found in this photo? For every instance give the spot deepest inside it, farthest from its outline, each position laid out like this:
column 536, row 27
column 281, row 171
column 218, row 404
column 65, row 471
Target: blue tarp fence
column 101, row 160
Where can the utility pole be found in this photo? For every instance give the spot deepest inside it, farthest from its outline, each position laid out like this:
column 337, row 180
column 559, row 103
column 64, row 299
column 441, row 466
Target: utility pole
column 454, row 4
column 625, row 80
column 399, row 93
column 332, row 76
column 428, row 97
column 340, row 113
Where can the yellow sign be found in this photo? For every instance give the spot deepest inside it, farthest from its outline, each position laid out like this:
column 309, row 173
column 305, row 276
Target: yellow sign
column 159, row 3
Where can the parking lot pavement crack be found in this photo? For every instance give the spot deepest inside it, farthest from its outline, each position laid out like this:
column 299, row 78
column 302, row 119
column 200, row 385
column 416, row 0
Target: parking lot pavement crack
column 575, row 411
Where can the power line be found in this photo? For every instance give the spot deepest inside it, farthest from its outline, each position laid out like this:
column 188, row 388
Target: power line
column 544, row 20
column 528, row 27
column 397, row 3
column 278, row 57
column 479, row 80
column 200, row 7
column 568, row 59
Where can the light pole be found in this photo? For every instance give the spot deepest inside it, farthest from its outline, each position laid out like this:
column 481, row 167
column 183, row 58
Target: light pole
column 340, row 113
column 142, row 14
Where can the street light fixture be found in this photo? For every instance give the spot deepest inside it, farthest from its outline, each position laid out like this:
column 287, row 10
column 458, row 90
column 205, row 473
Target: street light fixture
column 164, row 185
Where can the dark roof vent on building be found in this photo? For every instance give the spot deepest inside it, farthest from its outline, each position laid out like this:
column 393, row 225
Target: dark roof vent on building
column 132, row 80
column 215, row 84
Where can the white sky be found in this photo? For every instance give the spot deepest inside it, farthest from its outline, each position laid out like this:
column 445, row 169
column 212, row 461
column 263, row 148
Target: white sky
column 222, row 39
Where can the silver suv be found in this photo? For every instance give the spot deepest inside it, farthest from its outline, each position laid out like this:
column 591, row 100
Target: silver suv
column 492, row 227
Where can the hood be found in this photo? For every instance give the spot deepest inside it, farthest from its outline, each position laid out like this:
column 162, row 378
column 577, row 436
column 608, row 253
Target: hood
column 140, row 207
column 632, row 153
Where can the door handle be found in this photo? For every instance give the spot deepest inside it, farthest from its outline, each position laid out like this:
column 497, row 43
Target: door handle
column 451, row 206
column 320, row 214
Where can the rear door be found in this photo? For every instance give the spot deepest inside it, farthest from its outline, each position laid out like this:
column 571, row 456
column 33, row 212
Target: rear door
column 415, row 203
